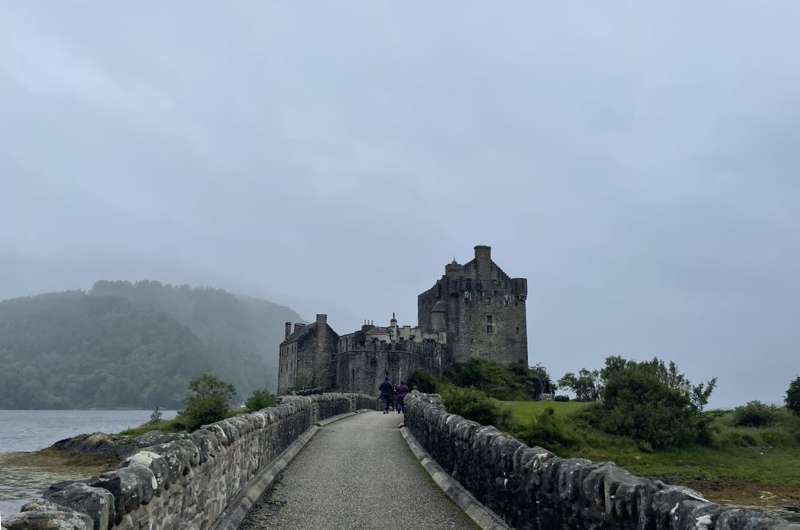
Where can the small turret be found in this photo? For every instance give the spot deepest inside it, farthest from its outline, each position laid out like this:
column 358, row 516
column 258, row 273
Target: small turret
column 287, row 330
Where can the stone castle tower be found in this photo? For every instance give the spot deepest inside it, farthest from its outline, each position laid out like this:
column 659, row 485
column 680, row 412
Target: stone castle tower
column 481, row 308
column 474, row 311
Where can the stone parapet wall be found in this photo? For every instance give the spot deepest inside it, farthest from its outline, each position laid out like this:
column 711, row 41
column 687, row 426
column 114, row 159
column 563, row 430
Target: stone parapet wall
column 188, row 482
column 531, row 488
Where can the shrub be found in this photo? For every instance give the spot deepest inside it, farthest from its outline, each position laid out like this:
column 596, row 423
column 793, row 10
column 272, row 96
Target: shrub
column 423, row 381
column 475, row 405
column 793, row 396
column 210, row 401
column 755, row 414
column 547, row 431
column 561, row 397
column 513, row 382
column 260, row 399
column 652, row 402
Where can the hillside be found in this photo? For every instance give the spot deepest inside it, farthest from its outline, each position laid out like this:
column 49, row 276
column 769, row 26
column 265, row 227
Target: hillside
column 133, row 345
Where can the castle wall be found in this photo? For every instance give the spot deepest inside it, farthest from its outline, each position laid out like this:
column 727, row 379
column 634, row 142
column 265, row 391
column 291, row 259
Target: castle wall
column 486, row 314
column 364, row 367
column 306, row 360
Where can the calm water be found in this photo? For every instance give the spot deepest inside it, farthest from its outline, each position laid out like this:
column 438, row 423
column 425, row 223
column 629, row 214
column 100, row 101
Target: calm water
column 30, row 430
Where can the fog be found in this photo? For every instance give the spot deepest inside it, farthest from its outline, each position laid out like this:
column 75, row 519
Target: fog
column 639, row 164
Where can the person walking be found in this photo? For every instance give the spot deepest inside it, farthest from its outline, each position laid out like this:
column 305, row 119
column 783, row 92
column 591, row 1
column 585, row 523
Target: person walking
column 386, row 394
column 402, row 390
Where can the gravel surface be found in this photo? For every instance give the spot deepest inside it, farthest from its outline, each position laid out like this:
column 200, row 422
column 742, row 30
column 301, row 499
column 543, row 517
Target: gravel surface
column 356, row 473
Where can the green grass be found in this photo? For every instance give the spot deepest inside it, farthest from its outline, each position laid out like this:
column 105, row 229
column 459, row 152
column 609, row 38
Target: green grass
column 522, row 411
column 160, row 425
column 768, row 456
column 173, row 425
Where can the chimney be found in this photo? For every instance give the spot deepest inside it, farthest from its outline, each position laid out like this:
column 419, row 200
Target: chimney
column 287, row 330
column 483, row 253
column 322, row 318
column 483, row 258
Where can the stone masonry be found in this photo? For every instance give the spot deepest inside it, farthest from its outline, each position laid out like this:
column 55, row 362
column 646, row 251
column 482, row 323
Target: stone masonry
column 188, row 482
column 531, row 488
column 474, row 310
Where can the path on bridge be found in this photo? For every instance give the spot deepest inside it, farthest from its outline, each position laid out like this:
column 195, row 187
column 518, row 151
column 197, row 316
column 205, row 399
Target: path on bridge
column 356, row 473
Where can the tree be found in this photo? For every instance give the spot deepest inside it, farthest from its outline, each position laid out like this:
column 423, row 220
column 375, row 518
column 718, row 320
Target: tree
column 652, row 402
column 586, row 384
column 260, row 399
column 793, row 396
column 210, row 401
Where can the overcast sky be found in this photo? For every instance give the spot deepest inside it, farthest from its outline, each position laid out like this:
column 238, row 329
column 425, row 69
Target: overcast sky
column 639, row 163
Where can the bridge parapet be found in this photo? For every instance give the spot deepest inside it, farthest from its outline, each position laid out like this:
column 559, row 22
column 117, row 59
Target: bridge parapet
column 531, row 488
column 187, row 483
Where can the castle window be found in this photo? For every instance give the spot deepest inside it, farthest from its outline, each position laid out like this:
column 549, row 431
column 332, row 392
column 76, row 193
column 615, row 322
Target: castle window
column 517, row 330
column 489, row 329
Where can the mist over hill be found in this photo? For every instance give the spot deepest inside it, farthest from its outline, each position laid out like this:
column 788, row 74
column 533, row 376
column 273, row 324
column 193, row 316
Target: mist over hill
column 124, row 344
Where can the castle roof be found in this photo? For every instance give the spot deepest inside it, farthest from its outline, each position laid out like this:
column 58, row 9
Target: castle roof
column 297, row 334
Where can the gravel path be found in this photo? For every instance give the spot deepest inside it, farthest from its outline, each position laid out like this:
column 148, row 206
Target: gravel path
column 357, row 473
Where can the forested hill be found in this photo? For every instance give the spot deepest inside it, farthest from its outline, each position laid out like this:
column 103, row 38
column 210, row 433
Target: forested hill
column 125, row 344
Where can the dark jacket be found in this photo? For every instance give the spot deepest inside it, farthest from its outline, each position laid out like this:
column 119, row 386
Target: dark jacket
column 402, row 390
column 385, row 388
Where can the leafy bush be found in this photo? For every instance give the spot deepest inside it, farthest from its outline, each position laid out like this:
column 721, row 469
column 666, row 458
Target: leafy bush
column 547, row 431
column 793, row 396
column 260, row 399
column 512, row 382
column 475, row 405
column 561, row 397
column 422, row 381
column 755, row 414
column 652, row 402
column 210, row 401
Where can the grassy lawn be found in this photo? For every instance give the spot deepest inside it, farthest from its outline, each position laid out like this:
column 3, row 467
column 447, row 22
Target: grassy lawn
column 755, row 466
column 522, row 411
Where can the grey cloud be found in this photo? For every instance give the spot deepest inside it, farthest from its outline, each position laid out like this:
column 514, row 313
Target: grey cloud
column 637, row 164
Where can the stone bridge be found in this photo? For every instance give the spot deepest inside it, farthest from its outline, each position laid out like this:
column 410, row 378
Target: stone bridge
column 333, row 461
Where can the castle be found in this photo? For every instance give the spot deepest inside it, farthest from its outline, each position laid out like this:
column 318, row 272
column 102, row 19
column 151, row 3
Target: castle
column 474, row 310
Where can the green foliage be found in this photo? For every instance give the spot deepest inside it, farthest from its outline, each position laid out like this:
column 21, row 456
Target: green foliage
column 561, row 397
column 210, row 401
column 766, row 455
column 652, row 402
column 159, row 425
column 475, row 405
column 423, row 381
column 515, row 381
column 793, row 396
column 155, row 415
column 125, row 345
column 547, row 430
column 260, row 399
column 755, row 414
column 586, row 384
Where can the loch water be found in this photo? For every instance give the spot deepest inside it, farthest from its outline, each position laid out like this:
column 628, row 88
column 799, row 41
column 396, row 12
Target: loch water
column 31, row 430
